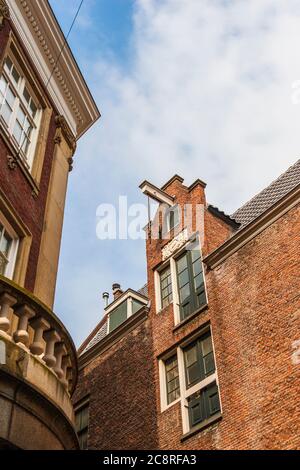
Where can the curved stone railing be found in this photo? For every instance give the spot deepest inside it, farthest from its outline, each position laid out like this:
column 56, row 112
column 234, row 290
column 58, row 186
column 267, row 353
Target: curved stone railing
column 27, row 322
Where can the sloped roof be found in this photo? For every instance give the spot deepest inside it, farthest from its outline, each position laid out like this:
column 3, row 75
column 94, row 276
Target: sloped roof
column 269, row 196
column 100, row 332
column 144, row 290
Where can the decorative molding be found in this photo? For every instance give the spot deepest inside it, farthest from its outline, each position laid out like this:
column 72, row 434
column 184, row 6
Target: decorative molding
column 175, row 244
column 11, row 162
column 4, row 13
column 43, row 41
column 71, row 162
column 62, row 124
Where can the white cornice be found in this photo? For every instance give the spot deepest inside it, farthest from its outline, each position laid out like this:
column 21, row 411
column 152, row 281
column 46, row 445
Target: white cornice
column 43, row 39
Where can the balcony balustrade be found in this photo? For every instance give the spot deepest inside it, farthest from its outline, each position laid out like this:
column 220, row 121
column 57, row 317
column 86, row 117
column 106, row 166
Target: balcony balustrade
column 28, row 323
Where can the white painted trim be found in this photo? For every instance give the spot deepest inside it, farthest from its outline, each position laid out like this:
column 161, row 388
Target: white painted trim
column 175, row 291
column 122, row 299
column 172, row 261
column 158, row 305
column 42, row 38
column 164, row 405
column 185, row 392
column 157, row 194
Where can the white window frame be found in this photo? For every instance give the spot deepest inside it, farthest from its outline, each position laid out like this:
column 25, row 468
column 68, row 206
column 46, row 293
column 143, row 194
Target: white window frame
column 172, row 262
column 185, row 392
column 168, row 217
column 19, row 103
column 164, row 405
column 10, row 267
column 127, row 297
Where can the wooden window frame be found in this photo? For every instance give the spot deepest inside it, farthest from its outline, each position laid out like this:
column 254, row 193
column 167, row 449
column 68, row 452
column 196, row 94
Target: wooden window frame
column 82, row 405
column 169, row 296
column 192, row 299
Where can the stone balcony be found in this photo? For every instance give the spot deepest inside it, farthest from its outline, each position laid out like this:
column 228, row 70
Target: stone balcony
column 38, row 374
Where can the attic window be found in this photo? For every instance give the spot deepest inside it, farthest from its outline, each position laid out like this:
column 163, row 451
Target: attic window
column 171, row 219
column 122, row 312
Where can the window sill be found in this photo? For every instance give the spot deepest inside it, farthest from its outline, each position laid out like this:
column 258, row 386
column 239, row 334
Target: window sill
column 191, row 317
column 201, row 426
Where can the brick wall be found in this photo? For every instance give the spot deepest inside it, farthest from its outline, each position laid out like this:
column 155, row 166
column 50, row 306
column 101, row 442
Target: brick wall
column 18, row 190
column 122, row 394
column 254, row 311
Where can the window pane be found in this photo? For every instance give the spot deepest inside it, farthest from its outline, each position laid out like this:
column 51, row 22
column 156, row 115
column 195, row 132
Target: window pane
column 18, row 132
column 204, row 404
column 33, row 109
column 10, row 97
column 84, row 417
column 83, row 440
column 197, row 267
column 183, row 278
column 118, row 316
column 206, row 345
column 16, row 76
column 195, row 255
column 185, row 293
column 172, row 379
column 6, row 112
column 166, row 287
column 8, row 65
column 173, row 215
column 199, row 281
column 182, row 264
column 3, row 85
column 26, row 95
column 136, row 306
column 209, row 364
column 213, row 400
column 191, row 355
column 21, row 116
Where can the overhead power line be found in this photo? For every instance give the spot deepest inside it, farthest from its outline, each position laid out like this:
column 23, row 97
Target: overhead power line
column 65, row 42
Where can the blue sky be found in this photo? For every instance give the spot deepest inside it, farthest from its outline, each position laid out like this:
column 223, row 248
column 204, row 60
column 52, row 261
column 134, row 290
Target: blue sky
column 202, row 88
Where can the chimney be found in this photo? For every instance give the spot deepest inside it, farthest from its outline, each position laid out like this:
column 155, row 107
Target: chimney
column 117, row 291
column 105, row 297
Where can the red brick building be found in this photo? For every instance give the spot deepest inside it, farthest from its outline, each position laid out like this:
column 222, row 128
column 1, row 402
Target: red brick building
column 209, row 358
column 45, row 107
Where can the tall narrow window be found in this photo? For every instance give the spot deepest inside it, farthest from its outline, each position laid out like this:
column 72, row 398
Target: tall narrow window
column 18, row 110
column 166, row 287
column 191, row 285
column 172, row 379
column 200, row 375
column 5, row 247
column 8, row 251
column 82, row 424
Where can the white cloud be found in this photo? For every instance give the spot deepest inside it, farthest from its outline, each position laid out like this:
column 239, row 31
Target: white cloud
column 207, row 93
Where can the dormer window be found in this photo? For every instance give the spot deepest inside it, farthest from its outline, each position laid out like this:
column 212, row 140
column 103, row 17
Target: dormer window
column 123, row 308
column 20, row 113
column 171, row 219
